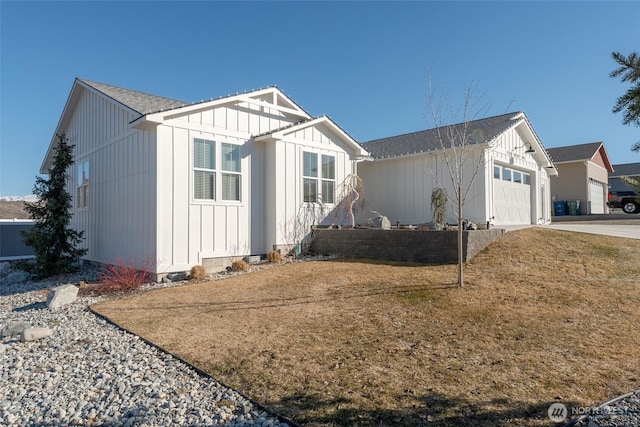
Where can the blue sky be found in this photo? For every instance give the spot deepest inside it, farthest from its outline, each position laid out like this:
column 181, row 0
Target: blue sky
column 364, row 64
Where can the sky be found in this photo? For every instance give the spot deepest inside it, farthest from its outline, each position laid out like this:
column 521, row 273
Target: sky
column 367, row 65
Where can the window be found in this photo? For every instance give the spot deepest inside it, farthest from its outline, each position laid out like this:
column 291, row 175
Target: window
column 82, row 201
column 309, row 177
column 312, row 178
column 507, row 174
column 204, row 165
column 517, row 177
column 230, row 172
column 328, row 178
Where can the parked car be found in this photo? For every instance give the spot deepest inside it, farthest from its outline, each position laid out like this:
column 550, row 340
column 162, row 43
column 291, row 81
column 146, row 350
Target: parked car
column 628, row 201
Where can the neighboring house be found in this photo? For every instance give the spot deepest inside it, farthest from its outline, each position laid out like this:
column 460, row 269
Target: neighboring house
column 631, row 170
column 511, row 186
column 582, row 176
column 12, row 245
column 171, row 184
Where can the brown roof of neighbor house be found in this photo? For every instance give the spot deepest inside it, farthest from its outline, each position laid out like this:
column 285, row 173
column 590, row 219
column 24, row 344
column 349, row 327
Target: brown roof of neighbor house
column 574, row 153
column 579, row 153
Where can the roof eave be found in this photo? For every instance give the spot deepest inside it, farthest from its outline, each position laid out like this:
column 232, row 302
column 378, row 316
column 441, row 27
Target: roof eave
column 73, row 95
column 359, row 151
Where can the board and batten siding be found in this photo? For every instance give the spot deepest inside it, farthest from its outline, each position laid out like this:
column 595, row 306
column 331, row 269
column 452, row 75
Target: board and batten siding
column 400, row 188
column 284, row 191
column 509, row 151
column 119, row 221
column 191, row 231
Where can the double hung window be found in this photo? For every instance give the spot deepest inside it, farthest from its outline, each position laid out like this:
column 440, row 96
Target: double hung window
column 230, row 172
column 318, row 180
column 211, row 177
column 204, row 169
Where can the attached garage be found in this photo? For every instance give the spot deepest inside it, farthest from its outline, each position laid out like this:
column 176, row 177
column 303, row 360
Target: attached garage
column 512, row 196
column 598, row 199
column 506, row 173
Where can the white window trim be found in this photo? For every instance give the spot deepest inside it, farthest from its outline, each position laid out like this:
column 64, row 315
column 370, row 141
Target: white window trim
column 85, row 186
column 319, row 178
column 218, row 140
column 229, row 172
column 525, row 177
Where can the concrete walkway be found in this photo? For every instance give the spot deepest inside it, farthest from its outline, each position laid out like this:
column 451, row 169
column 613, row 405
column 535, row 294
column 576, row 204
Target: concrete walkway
column 610, row 229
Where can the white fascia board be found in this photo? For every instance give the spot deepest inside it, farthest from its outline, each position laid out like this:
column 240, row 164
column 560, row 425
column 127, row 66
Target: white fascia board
column 541, row 156
column 260, row 103
column 72, row 99
column 360, row 152
column 153, row 119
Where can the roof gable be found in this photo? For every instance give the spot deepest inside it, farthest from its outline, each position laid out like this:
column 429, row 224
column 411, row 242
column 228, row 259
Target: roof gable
column 325, row 121
column 581, row 153
column 478, row 132
column 271, row 98
column 152, row 109
column 140, row 102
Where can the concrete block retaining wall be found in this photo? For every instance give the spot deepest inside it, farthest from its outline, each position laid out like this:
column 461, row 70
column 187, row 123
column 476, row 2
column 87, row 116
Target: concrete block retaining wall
column 429, row 247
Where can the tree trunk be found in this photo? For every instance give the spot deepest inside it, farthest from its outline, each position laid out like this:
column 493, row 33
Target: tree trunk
column 460, row 261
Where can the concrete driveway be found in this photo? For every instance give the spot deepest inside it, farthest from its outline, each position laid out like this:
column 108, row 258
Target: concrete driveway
column 610, row 225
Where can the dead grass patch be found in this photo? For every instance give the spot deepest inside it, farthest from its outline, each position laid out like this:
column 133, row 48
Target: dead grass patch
column 546, row 316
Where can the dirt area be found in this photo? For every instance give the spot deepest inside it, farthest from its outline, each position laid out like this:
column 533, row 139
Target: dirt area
column 12, row 209
column 546, row 316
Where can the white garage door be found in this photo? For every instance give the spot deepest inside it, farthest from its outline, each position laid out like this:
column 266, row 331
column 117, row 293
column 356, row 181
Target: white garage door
column 511, row 196
column 597, row 197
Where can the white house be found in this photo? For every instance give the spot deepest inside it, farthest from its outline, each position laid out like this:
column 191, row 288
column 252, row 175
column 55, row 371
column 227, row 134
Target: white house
column 511, row 186
column 171, row 184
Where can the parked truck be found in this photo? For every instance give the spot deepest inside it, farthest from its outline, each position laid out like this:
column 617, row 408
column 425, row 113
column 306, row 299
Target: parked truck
column 628, row 201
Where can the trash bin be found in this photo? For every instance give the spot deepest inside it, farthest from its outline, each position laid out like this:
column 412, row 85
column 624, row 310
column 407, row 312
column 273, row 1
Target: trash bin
column 573, row 207
column 560, row 208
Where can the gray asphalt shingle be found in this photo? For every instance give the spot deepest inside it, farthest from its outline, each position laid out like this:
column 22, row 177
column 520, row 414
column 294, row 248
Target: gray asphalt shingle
column 141, row 102
column 480, row 131
column 626, row 169
column 574, row 153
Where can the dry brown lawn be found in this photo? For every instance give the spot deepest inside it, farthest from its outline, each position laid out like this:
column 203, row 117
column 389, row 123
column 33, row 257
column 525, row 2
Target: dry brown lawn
column 545, row 316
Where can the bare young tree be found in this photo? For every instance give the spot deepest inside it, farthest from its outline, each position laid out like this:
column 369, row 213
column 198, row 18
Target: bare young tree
column 295, row 229
column 350, row 198
column 458, row 149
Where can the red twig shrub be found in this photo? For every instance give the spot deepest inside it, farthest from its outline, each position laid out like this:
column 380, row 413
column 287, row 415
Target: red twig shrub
column 122, row 276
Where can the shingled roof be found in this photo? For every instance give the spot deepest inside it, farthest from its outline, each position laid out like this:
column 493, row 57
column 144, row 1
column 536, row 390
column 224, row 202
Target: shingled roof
column 626, row 169
column 480, row 131
column 574, row 153
column 140, row 102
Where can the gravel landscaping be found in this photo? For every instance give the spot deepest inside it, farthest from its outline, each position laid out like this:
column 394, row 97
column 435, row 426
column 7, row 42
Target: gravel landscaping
column 89, row 372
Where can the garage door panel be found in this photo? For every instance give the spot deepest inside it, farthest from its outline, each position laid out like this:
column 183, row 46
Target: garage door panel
column 512, row 202
column 597, row 197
